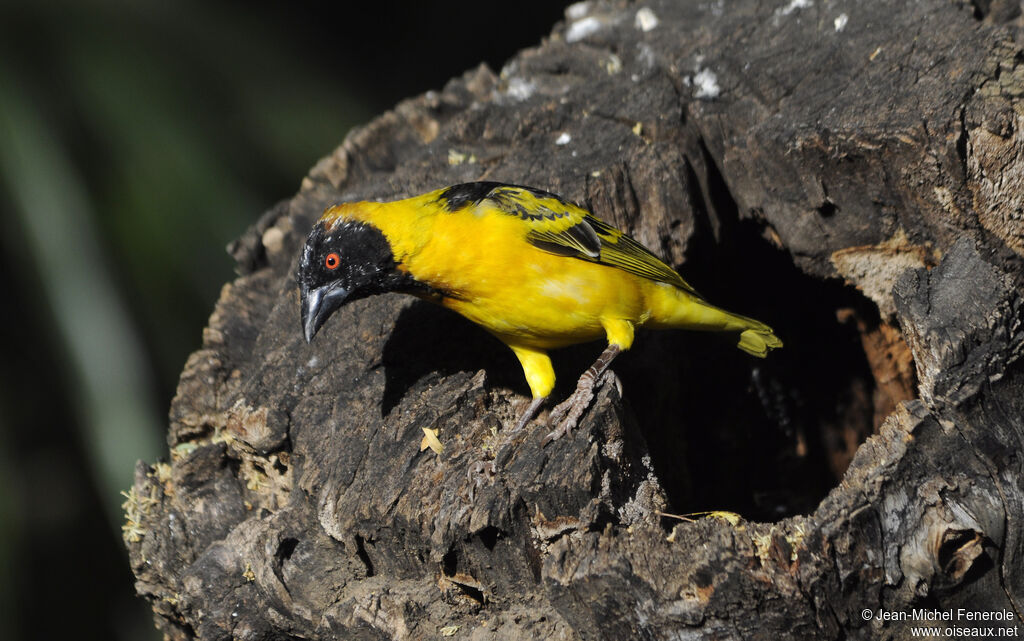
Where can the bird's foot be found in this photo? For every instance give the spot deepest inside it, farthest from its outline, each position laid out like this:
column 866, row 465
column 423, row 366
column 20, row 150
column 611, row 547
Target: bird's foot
column 528, row 415
column 568, row 413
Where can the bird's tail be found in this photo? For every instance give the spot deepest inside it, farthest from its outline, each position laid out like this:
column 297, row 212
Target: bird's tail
column 682, row 311
column 757, row 340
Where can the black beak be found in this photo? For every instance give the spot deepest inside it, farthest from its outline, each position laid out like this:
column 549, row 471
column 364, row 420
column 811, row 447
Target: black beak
column 318, row 305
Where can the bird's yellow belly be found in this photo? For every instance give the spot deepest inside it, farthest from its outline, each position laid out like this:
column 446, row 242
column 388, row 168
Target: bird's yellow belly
column 548, row 304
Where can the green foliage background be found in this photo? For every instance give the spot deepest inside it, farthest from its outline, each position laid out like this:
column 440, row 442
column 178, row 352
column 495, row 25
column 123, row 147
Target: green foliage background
column 136, row 140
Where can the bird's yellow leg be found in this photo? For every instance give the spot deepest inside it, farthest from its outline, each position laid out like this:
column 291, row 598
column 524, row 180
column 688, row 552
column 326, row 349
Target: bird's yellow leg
column 540, row 376
column 619, row 331
column 568, row 412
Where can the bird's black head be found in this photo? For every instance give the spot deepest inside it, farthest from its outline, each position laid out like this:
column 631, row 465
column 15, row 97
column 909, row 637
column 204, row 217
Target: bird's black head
column 343, row 261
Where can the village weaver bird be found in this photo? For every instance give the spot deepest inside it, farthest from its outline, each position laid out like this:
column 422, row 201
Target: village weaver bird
column 534, row 270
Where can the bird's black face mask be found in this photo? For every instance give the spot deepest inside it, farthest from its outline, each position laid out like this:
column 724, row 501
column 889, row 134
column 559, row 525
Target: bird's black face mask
column 341, row 263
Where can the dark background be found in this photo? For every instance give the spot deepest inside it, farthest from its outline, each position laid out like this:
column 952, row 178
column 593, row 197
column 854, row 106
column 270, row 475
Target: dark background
column 136, row 140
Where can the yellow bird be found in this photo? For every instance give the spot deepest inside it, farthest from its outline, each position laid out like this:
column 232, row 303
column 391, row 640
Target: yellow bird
column 534, row 270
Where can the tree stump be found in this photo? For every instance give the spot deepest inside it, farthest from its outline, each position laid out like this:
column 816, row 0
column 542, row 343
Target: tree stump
column 850, row 173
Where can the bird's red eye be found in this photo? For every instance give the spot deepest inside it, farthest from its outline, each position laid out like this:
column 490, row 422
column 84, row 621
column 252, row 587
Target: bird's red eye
column 332, row 261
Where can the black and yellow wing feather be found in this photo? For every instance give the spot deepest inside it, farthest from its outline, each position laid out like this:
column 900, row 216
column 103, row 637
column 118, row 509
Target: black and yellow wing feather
column 558, row 227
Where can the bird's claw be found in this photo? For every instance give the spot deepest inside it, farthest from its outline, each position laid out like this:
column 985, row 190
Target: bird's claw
column 568, row 413
column 528, row 415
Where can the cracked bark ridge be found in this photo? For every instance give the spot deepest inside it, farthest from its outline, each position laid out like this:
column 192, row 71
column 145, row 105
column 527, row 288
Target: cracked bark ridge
column 768, row 146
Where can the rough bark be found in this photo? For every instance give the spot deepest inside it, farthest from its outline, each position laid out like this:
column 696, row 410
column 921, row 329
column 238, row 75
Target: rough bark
column 848, row 172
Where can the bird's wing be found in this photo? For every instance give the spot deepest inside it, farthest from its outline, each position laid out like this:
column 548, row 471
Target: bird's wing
column 561, row 228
